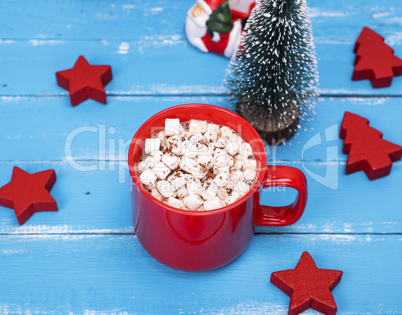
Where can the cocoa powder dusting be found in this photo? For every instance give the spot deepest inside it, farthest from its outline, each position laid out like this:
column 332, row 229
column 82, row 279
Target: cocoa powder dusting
column 210, row 175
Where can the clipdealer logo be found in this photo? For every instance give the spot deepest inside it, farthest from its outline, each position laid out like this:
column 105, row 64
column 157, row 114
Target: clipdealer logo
column 112, row 151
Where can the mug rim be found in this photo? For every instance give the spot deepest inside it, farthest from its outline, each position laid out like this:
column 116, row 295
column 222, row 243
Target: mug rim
column 139, row 186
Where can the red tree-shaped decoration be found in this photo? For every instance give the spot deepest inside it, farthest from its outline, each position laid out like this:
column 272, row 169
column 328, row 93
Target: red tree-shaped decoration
column 367, row 150
column 375, row 60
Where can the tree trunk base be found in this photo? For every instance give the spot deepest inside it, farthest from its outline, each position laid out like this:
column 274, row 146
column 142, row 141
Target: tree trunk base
column 270, row 130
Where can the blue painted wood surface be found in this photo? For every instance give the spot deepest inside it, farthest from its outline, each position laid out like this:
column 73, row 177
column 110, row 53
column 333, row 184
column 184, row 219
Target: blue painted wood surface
column 114, row 274
column 85, row 258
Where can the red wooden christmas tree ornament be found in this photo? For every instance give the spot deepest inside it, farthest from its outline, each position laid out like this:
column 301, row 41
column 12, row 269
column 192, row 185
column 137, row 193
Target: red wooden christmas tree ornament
column 85, row 81
column 29, row 193
column 375, row 60
column 308, row 286
column 367, row 150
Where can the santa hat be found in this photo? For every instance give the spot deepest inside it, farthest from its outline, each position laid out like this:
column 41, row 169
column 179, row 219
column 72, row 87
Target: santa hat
column 209, row 5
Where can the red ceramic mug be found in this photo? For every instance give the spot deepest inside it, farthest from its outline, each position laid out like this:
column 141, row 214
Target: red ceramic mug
column 205, row 240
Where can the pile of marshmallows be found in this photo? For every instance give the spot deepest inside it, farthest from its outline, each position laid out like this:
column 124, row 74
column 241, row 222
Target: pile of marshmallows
column 197, row 165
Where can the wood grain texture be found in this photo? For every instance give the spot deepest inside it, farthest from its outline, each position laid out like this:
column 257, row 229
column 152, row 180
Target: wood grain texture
column 339, row 21
column 133, row 35
column 158, row 67
column 84, row 258
column 114, row 274
column 86, row 124
column 99, row 202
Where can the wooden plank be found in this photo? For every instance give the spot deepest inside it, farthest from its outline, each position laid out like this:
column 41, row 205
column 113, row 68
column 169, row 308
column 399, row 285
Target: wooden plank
column 88, row 202
column 113, row 274
column 99, row 201
column 339, row 21
column 157, row 67
column 39, row 129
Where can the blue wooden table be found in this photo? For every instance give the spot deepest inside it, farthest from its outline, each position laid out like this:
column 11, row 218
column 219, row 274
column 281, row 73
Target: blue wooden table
column 85, row 258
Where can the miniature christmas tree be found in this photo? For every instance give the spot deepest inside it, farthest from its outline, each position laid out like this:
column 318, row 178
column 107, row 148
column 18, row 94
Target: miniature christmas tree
column 220, row 20
column 375, row 60
column 367, row 150
column 273, row 76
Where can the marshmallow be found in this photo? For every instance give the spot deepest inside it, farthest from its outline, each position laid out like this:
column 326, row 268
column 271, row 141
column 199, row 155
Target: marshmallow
column 199, row 172
column 202, row 149
column 181, row 192
column 175, row 203
column 161, row 170
column 211, row 135
column 143, row 155
column 193, row 202
column 171, row 160
column 246, row 150
column 205, row 161
column 142, row 166
column 186, row 136
column 249, row 162
column 194, row 187
column 190, row 150
column 177, row 180
column 190, row 178
column 150, row 187
column 223, row 194
column 231, row 160
column 214, row 127
column 221, row 158
column 184, row 145
column 152, row 144
column 219, row 145
column 233, row 197
column 234, row 137
column 249, row 174
column 236, row 176
column 198, row 126
column 226, row 132
column 232, row 148
column 165, row 188
column 225, row 169
column 162, row 134
column 238, row 162
column 210, row 191
column 148, row 177
column 213, row 204
column 155, row 193
column 154, row 158
column 172, row 126
column 174, row 144
column 187, row 164
column 212, row 165
column 242, row 187
column 222, row 179
column 182, row 129
column 197, row 137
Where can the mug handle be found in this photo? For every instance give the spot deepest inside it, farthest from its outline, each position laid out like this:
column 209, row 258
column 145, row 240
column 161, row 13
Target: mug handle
column 285, row 176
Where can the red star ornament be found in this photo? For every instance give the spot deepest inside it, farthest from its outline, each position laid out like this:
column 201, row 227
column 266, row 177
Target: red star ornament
column 85, row 81
column 308, row 286
column 29, row 193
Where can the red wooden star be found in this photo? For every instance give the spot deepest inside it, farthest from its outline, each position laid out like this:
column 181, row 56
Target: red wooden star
column 366, row 148
column 85, row 81
column 28, row 193
column 308, row 286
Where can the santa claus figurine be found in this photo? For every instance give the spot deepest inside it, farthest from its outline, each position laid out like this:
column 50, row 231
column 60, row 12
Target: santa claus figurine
column 217, row 25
